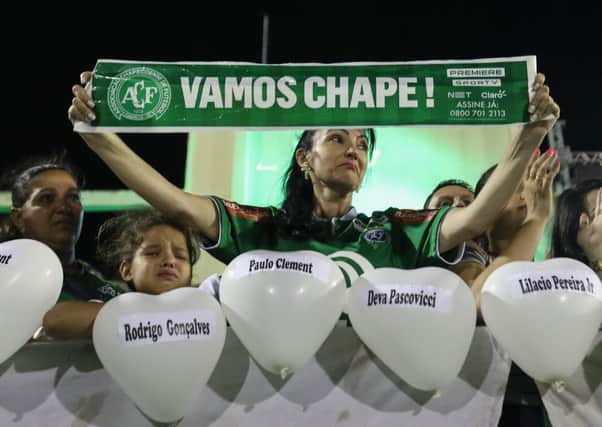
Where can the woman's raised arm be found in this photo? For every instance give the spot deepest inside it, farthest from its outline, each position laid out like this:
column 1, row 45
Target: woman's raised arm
column 198, row 212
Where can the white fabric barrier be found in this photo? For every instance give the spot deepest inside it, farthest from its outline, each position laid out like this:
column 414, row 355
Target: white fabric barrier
column 64, row 384
column 580, row 403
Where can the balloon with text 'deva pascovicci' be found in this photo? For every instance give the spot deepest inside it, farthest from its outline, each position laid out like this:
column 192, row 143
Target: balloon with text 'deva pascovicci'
column 161, row 349
column 282, row 305
column 31, row 277
column 420, row 323
column 545, row 314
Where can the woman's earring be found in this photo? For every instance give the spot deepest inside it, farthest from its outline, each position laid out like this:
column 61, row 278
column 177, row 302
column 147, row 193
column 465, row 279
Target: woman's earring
column 305, row 169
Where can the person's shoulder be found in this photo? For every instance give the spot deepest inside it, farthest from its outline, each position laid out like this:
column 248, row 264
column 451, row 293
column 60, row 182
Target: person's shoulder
column 252, row 213
column 92, row 277
column 87, row 268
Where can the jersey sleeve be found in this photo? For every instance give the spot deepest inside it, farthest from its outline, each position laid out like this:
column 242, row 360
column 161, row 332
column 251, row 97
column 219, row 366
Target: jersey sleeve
column 476, row 254
column 240, row 228
column 422, row 229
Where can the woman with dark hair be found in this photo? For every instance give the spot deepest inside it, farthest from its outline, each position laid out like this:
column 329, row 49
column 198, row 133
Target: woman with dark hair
column 327, row 166
column 577, row 229
column 152, row 253
column 577, row 234
column 46, row 206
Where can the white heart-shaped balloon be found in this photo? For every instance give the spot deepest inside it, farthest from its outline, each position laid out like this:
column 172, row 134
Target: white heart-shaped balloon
column 31, row 278
column 282, row 305
column 545, row 314
column 161, row 349
column 419, row 322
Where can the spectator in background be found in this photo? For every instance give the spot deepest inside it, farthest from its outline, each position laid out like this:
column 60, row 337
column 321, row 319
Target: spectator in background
column 577, row 234
column 516, row 233
column 46, row 206
column 514, row 237
column 457, row 193
column 577, row 229
column 153, row 254
column 451, row 192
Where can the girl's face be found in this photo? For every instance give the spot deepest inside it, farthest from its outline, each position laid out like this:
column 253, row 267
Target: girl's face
column 53, row 212
column 161, row 262
column 338, row 158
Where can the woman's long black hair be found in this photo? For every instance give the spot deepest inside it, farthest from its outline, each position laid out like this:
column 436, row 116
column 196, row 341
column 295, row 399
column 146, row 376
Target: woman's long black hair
column 294, row 220
column 569, row 207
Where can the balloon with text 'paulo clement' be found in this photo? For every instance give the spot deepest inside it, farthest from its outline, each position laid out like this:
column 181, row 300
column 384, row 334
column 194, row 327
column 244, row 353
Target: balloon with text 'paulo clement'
column 282, row 305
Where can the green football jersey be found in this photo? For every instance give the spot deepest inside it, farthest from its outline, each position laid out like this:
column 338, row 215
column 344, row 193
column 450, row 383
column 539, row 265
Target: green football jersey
column 398, row 238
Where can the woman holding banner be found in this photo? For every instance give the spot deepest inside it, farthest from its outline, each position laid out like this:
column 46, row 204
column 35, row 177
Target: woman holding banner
column 328, row 165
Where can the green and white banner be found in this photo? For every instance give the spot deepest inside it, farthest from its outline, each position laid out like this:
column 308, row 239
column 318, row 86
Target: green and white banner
column 180, row 97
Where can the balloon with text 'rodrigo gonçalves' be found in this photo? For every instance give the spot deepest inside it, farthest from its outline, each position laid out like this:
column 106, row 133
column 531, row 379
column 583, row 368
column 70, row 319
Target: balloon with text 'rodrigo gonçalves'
column 31, row 277
column 282, row 305
column 545, row 314
column 161, row 349
column 419, row 322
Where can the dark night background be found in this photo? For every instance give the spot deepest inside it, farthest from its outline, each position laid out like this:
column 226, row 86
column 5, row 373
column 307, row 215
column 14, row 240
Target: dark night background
column 45, row 49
